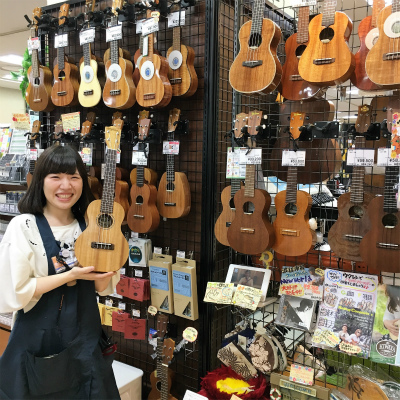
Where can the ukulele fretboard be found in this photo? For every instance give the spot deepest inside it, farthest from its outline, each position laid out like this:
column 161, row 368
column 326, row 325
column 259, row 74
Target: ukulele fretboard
column 107, row 200
column 328, row 16
column 389, row 199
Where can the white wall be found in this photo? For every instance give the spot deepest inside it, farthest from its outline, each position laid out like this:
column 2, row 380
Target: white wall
column 11, row 101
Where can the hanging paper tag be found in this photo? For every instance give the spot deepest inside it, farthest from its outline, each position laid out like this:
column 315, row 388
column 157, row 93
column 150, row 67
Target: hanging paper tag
column 385, row 160
column 109, row 303
column 135, row 313
column 33, row 44
column 71, row 122
column 395, row 141
column 152, row 310
column 87, row 36
column 113, row 33
column 134, row 235
column 32, row 154
column 157, row 250
column 139, row 158
column 360, row 157
column 171, row 147
column 122, row 305
column 252, row 157
column 190, row 334
column 149, row 26
column 234, row 170
column 180, row 254
column 139, row 26
column 173, row 19
column 189, row 395
column 139, row 273
column 86, row 155
column 61, row 40
column 291, row 158
column 301, row 374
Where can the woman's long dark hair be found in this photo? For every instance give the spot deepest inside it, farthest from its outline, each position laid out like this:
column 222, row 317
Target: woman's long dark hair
column 55, row 160
column 393, row 292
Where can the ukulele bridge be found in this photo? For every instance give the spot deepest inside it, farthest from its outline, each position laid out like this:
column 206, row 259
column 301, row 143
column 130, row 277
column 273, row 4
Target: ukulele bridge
column 252, row 64
column 88, row 92
column 37, row 100
column 170, row 204
column 149, row 96
column 290, row 232
column 174, row 81
column 353, row 238
column 102, row 246
column 137, row 216
column 391, row 56
column 246, row 230
column 295, row 78
column 321, row 61
column 63, row 93
column 389, row 246
column 115, row 92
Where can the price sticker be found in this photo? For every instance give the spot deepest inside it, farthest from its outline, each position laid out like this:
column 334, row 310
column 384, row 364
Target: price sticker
column 157, row 250
column 291, row 158
column 152, row 310
column 173, row 19
column 138, row 273
column 134, row 235
column 180, row 254
column 139, row 26
column 33, row 44
column 109, row 303
column 149, row 26
column 190, row 334
column 61, row 40
column 360, row 157
column 33, row 154
column 86, row 155
column 135, row 313
column 171, row 147
column 139, row 158
column 87, row 36
column 121, row 305
column 122, row 271
column 252, row 157
column 385, row 160
column 113, row 33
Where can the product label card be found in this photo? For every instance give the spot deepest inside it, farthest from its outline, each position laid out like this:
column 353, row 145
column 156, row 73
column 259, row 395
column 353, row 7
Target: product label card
column 139, row 158
column 218, row 292
column 360, row 157
column 149, row 26
column 291, row 158
column 301, row 374
column 385, row 159
column 159, row 278
column 252, row 157
column 173, row 19
column 113, row 33
column 234, row 170
column 33, row 44
column 87, row 36
column 171, row 147
column 60, row 40
column 182, row 283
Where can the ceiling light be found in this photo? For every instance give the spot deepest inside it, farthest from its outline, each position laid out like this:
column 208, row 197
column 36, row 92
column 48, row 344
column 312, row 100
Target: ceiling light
column 12, row 59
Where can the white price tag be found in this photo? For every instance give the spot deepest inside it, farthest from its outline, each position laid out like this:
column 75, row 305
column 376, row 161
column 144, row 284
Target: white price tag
column 121, row 306
column 113, row 33
column 149, row 26
column 102, row 171
column 136, row 313
column 134, row 235
column 384, row 159
column 61, row 40
column 87, row 36
column 291, row 158
column 122, row 271
column 138, row 273
column 139, row 26
column 180, row 254
column 33, row 44
column 109, row 303
column 119, row 296
column 189, row 395
column 360, row 157
column 139, row 158
column 33, row 154
column 157, row 250
column 173, row 19
column 252, row 157
column 86, row 155
column 171, row 147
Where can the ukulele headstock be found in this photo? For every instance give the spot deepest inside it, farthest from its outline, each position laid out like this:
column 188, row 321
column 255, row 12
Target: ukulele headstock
column 37, row 12
column 86, row 128
column 58, row 130
column 112, row 136
column 364, row 118
column 240, row 123
column 35, row 129
column 142, row 115
column 254, row 121
column 296, row 122
column 118, row 123
column 168, row 351
column 117, row 4
column 90, row 5
column 63, row 12
column 144, row 127
column 173, row 119
column 162, row 322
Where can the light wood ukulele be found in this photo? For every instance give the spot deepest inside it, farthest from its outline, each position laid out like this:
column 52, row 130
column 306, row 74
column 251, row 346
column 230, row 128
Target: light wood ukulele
column 173, row 196
column 228, row 206
column 256, row 68
column 102, row 244
column 293, row 236
column 327, row 60
column 38, row 92
column 251, row 232
column 32, row 145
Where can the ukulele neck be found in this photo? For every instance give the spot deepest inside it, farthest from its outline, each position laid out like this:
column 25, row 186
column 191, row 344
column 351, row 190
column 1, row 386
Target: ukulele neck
column 250, row 180
column 389, row 195
column 328, row 16
column 107, row 200
column 114, row 50
column 357, row 184
column 257, row 18
column 235, row 186
column 86, row 54
column 376, row 8
column 291, row 187
column 176, row 38
column 302, row 32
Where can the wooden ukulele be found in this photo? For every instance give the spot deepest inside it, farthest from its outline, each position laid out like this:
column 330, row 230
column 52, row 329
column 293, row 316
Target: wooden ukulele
column 327, row 60
column 173, row 196
column 227, row 215
column 88, row 124
column 94, row 177
column 181, row 73
column 102, row 244
column 251, row 232
column 32, row 145
column 64, row 92
column 294, row 87
column 38, row 92
column 89, row 93
column 353, row 221
column 323, row 156
column 383, row 60
column 58, row 130
column 154, row 89
column 293, row 236
column 256, row 68
column 161, row 379
column 143, row 215
column 368, row 34
column 119, row 90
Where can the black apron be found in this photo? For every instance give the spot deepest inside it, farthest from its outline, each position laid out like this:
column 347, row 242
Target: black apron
column 53, row 351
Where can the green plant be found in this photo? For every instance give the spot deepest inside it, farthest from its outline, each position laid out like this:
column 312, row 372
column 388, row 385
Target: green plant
column 26, row 63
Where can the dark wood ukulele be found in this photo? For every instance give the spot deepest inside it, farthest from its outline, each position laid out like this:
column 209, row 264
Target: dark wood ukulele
column 143, row 214
column 251, row 232
column 173, row 196
column 327, row 60
column 256, row 68
column 294, row 87
column 227, row 196
column 293, row 236
column 38, row 92
column 64, row 92
column 32, row 145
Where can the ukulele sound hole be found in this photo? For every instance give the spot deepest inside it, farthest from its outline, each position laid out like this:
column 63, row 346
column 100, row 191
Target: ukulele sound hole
column 396, row 27
column 326, row 35
column 356, row 212
column 248, row 207
column 389, row 221
column 255, row 40
column 291, row 209
column 158, row 386
column 170, row 187
column 232, row 203
column 36, row 81
column 300, row 50
column 61, row 75
column 105, row 221
column 139, row 200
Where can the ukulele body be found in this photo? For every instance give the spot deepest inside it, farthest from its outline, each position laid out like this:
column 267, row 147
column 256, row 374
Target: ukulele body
column 95, row 187
column 293, row 236
column 150, row 176
column 296, row 89
column 136, row 61
column 226, row 217
column 179, row 197
column 384, row 72
column 262, row 78
column 41, row 90
column 155, row 393
column 102, row 259
column 89, row 83
column 122, row 195
column 383, row 259
column 188, row 83
column 157, row 91
column 345, row 225
column 126, row 98
column 337, row 49
column 359, row 78
column 69, row 84
column 144, row 207
column 251, row 233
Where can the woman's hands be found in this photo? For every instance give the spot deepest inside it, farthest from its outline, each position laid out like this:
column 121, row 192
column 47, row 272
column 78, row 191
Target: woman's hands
column 392, row 326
